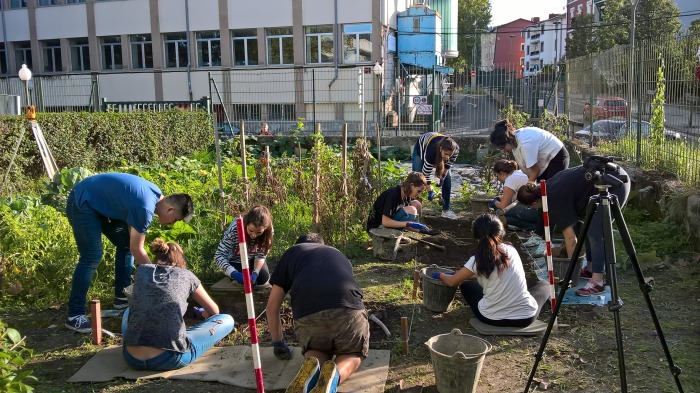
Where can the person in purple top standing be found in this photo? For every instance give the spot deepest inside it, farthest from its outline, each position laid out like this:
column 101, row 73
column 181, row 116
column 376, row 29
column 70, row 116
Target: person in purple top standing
column 120, row 206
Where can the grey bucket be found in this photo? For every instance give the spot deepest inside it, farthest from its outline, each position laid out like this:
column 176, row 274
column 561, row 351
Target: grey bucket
column 560, row 265
column 457, row 359
column 385, row 243
column 437, row 296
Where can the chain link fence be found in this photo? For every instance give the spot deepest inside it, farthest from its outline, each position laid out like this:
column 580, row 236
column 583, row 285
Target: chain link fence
column 643, row 105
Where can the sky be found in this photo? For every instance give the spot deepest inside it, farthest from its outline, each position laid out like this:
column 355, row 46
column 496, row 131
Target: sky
column 504, row 11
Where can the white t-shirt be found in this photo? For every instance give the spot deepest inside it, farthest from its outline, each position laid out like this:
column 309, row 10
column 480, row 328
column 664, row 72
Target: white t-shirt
column 514, row 181
column 505, row 297
column 535, row 146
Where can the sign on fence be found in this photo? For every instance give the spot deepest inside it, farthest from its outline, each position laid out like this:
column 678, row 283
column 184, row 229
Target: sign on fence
column 424, row 109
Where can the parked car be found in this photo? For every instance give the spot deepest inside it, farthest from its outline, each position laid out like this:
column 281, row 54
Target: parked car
column 617, row 129
column 606, row 108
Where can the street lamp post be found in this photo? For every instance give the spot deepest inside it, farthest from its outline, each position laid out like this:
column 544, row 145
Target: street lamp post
column 25, row 75
column 557, row 25
column 378, row 71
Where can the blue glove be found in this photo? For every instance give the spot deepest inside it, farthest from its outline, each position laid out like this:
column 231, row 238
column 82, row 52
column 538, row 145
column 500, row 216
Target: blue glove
column 492, row 204
column 417, row 225
column 442, row 179
column 237, row 277
column 281, row 350
column 198, row 312
column 431, row 195
column 253, row 278
column 436, row 276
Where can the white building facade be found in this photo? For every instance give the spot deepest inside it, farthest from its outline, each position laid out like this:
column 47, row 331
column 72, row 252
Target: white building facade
column 545, row 43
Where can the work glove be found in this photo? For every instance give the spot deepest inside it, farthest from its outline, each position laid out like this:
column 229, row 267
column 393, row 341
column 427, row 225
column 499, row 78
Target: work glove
column 436, row 275
column 281, row 350
column 431, row 195
column 417, row 225
column 237, row 277
column 492, row 204
column 198, row 312
column 253, row 278
column 442, row 179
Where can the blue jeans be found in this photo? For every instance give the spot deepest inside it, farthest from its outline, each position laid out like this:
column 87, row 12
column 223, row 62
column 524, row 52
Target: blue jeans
column 401, row 215
column 523, row 217
column 88, row 226
column 417, row 166
column 202, row 336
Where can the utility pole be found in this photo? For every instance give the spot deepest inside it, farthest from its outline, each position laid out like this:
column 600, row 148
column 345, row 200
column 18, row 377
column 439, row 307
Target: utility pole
column 557, row 25
column 630, row 77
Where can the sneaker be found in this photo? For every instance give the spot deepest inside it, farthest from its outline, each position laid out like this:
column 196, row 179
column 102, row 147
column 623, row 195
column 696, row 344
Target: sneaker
column 590, row 289
column 585, row 273
column 79, row 323
column 306, row 377
column 120, row 303
column 328, row 380
column 449, row 214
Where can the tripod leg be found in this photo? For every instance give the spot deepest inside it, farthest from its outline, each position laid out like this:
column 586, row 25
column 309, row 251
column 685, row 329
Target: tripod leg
column 645, row 288
column 611, row 270
column 590, row 211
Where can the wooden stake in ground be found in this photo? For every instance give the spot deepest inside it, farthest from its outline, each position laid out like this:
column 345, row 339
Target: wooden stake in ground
column 243, row 164
column 96, row 322
column 404, row 335
column 416, row 283
column 317, row 184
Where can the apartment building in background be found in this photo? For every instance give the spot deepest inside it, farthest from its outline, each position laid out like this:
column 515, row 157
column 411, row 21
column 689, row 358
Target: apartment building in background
column 545, row 43
column 164, row 50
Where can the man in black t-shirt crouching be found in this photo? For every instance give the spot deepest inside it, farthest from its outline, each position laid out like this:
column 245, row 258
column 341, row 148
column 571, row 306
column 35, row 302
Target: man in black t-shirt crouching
column 329, row 316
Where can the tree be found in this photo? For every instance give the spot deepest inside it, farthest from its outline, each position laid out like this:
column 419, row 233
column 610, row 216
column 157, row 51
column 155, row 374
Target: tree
column 583, row 38
column 474, row 18
column 657, row 20
column 657, row 106
column 616, row 22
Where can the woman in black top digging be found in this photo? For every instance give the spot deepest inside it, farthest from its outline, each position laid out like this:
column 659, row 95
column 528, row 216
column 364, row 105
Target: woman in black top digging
column 398, row 207
column 436, row 151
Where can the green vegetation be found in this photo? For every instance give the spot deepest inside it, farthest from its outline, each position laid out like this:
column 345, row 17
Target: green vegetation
column 14, row 355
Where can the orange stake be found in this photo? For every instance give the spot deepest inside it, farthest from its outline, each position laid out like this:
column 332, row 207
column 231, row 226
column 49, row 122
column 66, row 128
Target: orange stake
column 404, row 334
column 96, row 322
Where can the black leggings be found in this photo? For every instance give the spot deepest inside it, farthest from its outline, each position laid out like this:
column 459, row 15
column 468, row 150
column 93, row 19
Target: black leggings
column 473, row 293
column 556, row 165
column 263, row 276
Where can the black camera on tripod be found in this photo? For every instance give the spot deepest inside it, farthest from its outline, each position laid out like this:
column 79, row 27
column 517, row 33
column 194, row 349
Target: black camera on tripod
column 604, row 171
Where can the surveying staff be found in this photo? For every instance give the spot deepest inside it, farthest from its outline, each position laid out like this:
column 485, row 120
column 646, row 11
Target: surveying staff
column 398, row 207
column 538, row 153
column 329, row 316
column 154, row 331
column 499, row 296
column 568, row 194
column 516, row 214
column 120, row 206
column 436, row 151
column 258, row 234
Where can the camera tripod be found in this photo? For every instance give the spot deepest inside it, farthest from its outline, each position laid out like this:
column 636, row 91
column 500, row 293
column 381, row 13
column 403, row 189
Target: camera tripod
column 611, row 209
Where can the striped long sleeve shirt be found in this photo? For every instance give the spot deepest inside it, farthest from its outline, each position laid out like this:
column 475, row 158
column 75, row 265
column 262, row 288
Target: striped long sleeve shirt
column 229, row 253
column 427, row 148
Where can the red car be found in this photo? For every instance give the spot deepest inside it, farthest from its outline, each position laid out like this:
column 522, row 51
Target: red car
column 606, row 108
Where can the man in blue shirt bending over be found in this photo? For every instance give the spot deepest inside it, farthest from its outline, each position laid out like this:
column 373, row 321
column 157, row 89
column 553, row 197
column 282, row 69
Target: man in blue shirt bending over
column 120, row 206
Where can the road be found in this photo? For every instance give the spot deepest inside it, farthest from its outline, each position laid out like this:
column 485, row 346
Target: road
column 473, row 114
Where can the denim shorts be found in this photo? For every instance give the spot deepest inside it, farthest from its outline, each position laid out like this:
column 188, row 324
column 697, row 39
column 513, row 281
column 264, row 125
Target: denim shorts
column 403, row 216
column 338, row 331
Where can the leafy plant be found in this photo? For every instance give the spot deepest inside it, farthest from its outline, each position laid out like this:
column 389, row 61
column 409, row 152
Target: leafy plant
column 57, row 190
column 14, row 355
column 517, row 118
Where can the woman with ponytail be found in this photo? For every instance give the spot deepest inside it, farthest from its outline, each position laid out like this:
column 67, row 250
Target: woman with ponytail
column 499, row 296
column 153, row 328
column 434, row 151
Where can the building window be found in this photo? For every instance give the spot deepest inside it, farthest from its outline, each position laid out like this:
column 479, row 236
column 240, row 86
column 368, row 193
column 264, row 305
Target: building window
column 111, row 53
column 74, row 1
column 208, row 49
column 18, row 4
column 141, row 51
column 47, row 2
column 280, row 46
column 246, row 111
column 528, row 49
column 52, row 56
column 175, row 50
column 3, row 59
column 542, row 29
column 245, row 47
column 23, row 54
column 283, row 112
column 522, row 47
column 319, row 44
column 80, row 54
column 357, row 43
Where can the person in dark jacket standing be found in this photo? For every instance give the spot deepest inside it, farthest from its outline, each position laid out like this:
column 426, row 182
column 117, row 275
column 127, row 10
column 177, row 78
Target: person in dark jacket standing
column 434, row 151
